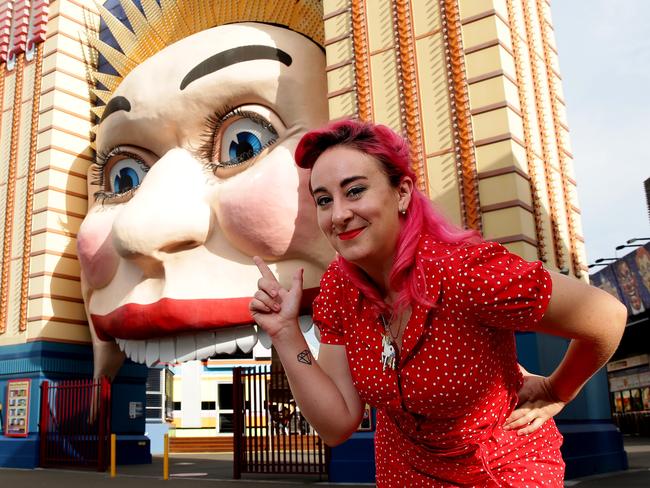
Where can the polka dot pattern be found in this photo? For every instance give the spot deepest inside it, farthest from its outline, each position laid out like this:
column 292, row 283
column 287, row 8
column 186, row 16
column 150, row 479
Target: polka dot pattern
column 440, row 413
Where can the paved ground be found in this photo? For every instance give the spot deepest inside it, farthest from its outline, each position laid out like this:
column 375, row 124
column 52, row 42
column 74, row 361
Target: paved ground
column 210, row 470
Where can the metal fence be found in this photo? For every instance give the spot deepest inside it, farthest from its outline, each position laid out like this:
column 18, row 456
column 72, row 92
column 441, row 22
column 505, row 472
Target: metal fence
column 75, row 424
column 271, row 435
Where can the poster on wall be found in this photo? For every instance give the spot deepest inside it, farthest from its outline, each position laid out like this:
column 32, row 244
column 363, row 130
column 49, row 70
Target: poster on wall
column 17, row 417
column 605, row 280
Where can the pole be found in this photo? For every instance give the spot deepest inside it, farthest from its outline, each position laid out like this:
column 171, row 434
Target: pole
column 166, row 457
column 113, row 455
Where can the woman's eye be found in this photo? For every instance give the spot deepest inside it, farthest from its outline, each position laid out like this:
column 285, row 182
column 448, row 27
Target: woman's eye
column 126, row 175
column 322, row 201
column 244, row 139
column 356, row 191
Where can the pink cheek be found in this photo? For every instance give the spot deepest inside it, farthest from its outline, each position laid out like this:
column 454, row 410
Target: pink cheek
column 97, row 256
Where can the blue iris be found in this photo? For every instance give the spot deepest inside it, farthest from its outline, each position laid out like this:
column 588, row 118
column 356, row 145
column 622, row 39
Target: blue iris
column 247, row 146
column 126, row 180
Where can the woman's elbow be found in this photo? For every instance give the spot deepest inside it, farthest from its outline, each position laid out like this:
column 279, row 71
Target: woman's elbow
column 333, row 439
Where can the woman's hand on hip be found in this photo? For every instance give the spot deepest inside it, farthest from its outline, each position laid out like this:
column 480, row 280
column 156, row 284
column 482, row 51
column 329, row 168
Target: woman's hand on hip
column 537, row 404
column 273, row 307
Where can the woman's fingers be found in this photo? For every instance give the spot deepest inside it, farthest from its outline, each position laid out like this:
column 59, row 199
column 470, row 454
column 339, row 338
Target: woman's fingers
column 269, row 302
column 532, row 427
column 257, row 306
column 519, row 418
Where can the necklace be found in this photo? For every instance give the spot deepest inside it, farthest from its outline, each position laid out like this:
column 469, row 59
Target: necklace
column 389, row 344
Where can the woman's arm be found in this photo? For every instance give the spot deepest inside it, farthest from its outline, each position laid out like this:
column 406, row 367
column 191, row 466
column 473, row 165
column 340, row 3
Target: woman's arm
column 595, row 321
column 323, row 390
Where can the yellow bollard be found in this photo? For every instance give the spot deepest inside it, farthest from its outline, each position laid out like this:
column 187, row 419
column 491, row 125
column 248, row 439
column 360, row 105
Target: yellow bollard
column 166, row 457
column 113, row 456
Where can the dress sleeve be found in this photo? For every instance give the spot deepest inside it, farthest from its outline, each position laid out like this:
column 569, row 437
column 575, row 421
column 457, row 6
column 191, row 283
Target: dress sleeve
column 499, row 288
column 327, row 310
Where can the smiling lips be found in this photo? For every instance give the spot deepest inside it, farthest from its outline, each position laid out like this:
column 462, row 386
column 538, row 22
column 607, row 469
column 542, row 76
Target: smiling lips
column 350, row 234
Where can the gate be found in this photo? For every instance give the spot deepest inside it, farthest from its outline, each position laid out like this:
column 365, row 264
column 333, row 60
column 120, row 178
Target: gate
column 75, row 424
column 270, row 434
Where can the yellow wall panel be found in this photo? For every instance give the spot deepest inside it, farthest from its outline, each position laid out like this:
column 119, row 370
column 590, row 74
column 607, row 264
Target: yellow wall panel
column 330, row 6
column 487, row 92
column 10, row 86
column 338, row 25
column 50, row 263
column 425, row 16
column 490, row 124
column 62, row 160
column 434, row 98
column 13, row 310
column 342, row 105
column 508, row 222
column 51, row 329
column 339, row 51
column 385, row 91
column 443, row 186
column 59, row 179
column 61, row 201
column 340, row 78
column 479, row 32
column 51, row 307
column 379, row 16
column 502, row 188
column 52, row 285
column 500, row 155
column 523, row 249
column 19, row 218
column 56, row 221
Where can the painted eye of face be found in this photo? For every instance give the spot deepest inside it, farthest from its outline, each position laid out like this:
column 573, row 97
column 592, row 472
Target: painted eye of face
column 118, row 173
column 126, row 175
column 237, row 137
column 243, row 139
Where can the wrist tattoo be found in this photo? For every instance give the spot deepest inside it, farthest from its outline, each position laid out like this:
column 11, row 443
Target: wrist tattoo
column 305, row 357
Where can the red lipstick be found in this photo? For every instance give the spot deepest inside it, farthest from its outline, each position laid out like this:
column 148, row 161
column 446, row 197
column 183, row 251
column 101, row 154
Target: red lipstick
column 350, row 234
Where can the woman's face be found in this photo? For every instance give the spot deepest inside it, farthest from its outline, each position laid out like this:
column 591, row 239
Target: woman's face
column 358, row 210
column 194, row 176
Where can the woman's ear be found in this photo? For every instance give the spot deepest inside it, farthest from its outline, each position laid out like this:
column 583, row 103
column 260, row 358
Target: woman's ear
column 404, row 192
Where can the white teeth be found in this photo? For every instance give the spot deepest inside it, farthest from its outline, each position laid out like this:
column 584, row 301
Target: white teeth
column 247, row 342
column 167, row 350
column 205, row 345
column 185, row 348
column 153, row 352
column 202, row 345
column 264, row 338
column 142, row 351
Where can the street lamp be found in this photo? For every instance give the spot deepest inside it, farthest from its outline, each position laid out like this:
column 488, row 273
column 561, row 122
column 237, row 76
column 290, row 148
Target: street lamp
column 602, row 260
column 630, row 241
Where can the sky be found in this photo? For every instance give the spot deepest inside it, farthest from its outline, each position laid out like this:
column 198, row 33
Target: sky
column 604, row 52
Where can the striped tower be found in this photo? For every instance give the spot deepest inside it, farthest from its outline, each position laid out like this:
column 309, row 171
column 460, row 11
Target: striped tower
column 44, row 155
column 475, row 86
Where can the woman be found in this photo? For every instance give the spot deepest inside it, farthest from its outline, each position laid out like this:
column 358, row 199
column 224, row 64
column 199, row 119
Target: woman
column 417, row 318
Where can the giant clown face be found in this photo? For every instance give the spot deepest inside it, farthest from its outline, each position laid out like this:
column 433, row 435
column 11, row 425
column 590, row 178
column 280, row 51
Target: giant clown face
column 194, row 176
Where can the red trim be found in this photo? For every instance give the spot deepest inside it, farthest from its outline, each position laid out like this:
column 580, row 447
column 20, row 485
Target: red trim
column 169, row 316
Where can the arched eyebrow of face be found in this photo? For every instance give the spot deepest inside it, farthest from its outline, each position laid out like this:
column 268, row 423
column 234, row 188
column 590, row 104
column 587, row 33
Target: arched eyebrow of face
column 115, row 104
column 234, row 56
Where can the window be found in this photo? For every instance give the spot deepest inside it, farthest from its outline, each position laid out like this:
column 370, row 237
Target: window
column 208, row 405
column 177, row 405
column 224, row 410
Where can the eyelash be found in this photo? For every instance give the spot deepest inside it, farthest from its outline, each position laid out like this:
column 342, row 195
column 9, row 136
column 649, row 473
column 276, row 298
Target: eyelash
column 213, row 123
column 354, row 193
column 101, row 160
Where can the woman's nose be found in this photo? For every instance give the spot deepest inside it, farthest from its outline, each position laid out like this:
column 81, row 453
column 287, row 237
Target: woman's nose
column 341, row 213
column 168, row 213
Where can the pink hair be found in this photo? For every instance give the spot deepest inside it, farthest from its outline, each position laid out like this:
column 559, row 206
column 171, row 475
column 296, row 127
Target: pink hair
column 392, row 152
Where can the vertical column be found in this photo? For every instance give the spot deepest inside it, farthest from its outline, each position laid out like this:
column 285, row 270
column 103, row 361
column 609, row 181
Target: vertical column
column 461, row 117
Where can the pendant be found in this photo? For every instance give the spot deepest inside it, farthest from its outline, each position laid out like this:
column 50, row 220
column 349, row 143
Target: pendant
column 388, row 354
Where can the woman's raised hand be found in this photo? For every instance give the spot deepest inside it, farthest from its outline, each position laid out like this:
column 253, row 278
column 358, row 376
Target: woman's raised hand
column 273, row 307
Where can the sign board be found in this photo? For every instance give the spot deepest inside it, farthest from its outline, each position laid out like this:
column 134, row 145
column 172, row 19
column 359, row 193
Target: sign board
column 17, row 416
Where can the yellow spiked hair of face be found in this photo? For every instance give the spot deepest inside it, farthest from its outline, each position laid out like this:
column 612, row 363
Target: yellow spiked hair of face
column 164, row 23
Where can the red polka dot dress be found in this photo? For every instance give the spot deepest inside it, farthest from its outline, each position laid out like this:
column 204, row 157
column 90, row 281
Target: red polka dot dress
column 440, row 412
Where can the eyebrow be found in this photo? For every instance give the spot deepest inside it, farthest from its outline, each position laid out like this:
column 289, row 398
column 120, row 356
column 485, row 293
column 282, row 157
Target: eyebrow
column 115, row 104
column 344, row 182
column 233, row 56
